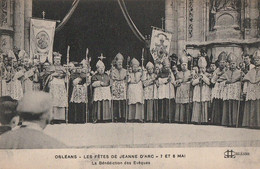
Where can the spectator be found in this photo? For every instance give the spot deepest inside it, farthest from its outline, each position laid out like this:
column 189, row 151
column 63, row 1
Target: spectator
column 35, row 111
column 8, row 115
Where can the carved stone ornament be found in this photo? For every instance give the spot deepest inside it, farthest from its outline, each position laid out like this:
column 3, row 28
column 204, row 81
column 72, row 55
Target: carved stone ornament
column 190, row 20
column 4, row 13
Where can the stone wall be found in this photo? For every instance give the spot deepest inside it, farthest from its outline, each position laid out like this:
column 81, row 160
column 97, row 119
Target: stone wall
column 15, row 24
column 235, row 28
column 6, row 25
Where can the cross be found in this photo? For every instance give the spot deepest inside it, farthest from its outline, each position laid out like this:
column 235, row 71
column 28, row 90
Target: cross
column 162, row 22
column 43, row 14
column 142, row 54
column 101, row 57
column 142, row 58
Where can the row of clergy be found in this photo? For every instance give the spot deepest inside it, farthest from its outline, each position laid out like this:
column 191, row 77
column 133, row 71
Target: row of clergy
column 150, row 93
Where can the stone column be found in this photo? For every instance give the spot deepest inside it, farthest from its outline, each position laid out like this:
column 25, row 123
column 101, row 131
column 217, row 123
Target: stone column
column 197, row 20
column 19, row 24
column 6, row 25
column 27, row 17
column 169, row 21
column 182, row 24
column 253, row 14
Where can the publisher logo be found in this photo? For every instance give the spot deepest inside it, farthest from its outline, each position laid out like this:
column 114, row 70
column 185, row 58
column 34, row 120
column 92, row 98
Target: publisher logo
column 229, row 154
column 233, row 154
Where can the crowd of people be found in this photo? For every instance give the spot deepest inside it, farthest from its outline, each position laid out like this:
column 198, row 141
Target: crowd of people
column 186, row 90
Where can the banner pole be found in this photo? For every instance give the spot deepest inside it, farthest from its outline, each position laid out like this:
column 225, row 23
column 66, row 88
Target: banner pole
column 143, row 120
column 111, row 88
column 127, row 75
column 67, row 78
column 87, row 84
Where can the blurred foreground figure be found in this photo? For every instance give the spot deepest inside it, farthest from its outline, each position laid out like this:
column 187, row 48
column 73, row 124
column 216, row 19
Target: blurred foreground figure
column 35, row 111
column 8, row 117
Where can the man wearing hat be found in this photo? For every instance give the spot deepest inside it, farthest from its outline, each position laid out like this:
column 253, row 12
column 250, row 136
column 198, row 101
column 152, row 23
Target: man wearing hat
column 150, row 94
column 118, row 77
column 8, row 115
column 44, row 73
column 135, row 92
column 232, row 92
column 217, row 90
column 58, row 89
column 102, row 94
column 77, row 95
column 15, row 84
column 201, row 94
column 35, row 110
column 27, row 81
column 166, row 92
column 183, row 92
column 251, row 91
column 9, row 78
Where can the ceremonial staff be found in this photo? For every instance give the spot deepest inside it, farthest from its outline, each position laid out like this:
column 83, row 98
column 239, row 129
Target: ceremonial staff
column 240, row 95
column 154, row 107
column 127, row 74
column 86, row 85
column 157, row 106
column 111, row 88
column 201, row 86
column 169, row 104
column 142, row 76
column 190, row 87
column 90, row 86
column 101, row 57
column 67, row 79
column 1, row 75
column 11, row 74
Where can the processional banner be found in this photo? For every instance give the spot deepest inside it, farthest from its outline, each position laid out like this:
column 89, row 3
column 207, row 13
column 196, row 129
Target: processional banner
column 41, row 39
column 160, row 44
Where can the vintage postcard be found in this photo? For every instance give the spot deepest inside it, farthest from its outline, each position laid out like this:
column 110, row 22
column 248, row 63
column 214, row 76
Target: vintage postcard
column 129, row 84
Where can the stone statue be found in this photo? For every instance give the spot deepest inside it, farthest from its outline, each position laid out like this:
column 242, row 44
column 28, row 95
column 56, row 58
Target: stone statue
column 225, row 5
column 221, row 5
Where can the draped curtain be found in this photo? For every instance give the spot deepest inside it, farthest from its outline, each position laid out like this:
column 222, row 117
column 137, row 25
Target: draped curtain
column 130, row 22
column 68, row 15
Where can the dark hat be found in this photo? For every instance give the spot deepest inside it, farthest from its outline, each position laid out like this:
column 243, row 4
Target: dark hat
column 7, row 109
column 222, row 56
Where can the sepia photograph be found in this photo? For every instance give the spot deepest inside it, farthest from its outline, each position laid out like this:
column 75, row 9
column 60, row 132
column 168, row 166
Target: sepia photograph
column 129, row 84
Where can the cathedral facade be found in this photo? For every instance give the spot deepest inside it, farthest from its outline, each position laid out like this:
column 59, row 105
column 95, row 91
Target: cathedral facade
column 213, row 25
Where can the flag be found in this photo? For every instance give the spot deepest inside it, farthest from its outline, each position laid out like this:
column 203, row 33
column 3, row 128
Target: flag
column 160, row 45
column 41, row 39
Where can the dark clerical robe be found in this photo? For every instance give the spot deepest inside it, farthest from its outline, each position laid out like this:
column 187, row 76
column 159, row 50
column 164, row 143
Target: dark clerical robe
column 251, row 116
column 217, row 97
column 231, row 96
column 78, row 98
column 150, row 98
column 183, row 96
column 166, row 96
